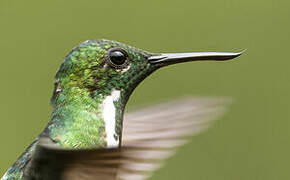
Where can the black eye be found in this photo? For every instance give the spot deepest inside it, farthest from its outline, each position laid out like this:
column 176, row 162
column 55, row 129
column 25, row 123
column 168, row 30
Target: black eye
column 117, row 58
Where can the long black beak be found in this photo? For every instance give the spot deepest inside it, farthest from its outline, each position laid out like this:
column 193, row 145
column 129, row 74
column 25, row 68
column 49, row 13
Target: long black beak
column 173, row 58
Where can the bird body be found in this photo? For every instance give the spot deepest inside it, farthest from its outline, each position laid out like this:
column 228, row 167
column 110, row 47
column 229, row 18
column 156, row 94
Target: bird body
column 92, row 87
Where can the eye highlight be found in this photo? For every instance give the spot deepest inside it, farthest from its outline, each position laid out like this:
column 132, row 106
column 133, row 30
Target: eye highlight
column 117, row 58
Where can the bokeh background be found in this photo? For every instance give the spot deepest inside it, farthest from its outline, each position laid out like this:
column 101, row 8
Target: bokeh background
column 251, row 142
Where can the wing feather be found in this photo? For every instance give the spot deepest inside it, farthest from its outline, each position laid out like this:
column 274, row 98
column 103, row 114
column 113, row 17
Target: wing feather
column 150, row 135
column 156, row 132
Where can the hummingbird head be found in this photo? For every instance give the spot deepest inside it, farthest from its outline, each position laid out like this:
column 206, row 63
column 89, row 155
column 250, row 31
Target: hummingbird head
column 93, row 85
column 101, row 66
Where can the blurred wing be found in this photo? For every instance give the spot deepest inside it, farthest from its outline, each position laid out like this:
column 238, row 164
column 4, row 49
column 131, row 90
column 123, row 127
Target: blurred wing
column 153, row 134
column 149, row 135
column 51, row 161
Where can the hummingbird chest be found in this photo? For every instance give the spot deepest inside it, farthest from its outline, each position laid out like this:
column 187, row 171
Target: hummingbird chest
column 84, row 126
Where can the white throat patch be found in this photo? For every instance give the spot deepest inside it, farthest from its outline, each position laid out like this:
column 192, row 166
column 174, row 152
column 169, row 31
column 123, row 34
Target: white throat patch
column 109, row 115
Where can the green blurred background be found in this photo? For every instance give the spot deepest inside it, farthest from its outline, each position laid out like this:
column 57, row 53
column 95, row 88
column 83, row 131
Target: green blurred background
column 251, row 142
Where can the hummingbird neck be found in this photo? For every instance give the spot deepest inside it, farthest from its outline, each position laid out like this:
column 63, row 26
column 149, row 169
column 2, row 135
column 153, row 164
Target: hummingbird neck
column 83, row 119
column 112, row 115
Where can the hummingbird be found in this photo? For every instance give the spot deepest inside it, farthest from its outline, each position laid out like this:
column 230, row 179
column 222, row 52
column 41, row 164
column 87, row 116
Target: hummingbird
column 90, row 137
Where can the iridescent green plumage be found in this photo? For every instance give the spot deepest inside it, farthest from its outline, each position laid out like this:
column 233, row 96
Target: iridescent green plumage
column 90, row 95
column 82, row 82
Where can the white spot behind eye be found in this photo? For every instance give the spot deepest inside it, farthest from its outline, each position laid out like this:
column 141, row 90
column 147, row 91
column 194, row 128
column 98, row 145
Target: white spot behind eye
column 58, row 90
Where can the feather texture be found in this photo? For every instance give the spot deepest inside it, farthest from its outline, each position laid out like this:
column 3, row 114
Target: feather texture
column 149, row 136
